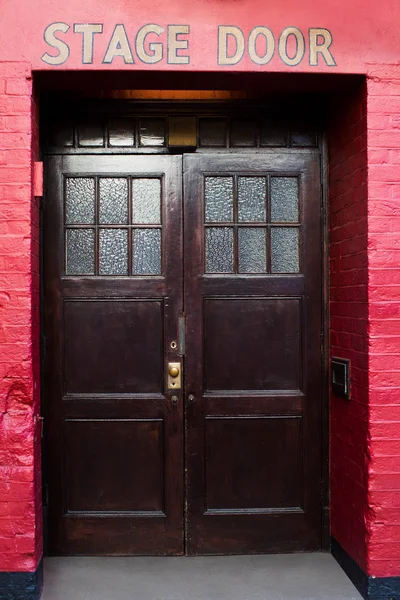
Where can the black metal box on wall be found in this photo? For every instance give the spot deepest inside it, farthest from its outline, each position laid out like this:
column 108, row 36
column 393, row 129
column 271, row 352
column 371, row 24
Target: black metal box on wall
column 341, row 377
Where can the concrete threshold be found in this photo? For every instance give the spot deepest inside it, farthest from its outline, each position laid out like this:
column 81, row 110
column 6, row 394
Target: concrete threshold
column 266, row 577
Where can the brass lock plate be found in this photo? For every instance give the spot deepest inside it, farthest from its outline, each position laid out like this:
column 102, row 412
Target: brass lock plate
column 174, row 376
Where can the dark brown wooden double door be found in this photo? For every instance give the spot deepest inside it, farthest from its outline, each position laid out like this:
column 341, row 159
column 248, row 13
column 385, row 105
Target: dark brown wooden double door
column 231, row 461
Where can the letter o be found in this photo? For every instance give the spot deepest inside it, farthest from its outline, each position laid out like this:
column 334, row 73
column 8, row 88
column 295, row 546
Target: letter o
column 300, row 46
column 252, row 45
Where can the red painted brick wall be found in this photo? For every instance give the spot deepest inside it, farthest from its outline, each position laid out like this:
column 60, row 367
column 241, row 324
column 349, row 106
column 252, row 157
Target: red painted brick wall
column 20, row 531
column 349, row 320
column 365, row 322
column 384, row 315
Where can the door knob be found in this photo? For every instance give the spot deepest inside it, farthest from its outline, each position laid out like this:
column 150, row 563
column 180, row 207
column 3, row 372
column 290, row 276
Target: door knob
column 173, row 371
column 174, row 376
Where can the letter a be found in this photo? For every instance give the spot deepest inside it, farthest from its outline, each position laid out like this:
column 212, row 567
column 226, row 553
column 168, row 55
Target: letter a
column 118, row 46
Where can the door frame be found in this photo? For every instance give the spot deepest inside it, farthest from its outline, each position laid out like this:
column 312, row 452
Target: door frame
column 74, row 110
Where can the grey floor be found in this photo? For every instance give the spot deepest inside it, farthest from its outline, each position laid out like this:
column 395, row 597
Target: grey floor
column 277, row 577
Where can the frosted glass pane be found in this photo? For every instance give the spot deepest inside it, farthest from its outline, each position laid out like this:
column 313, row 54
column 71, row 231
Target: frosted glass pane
column 113, row 251
column 252, row 250
column 79, row 201
column 146, row 201
column 219, row 250
column 147, row 252
column 113, row 200
column 79, row 251
column 219, row 199
column 252, row 199
column 285, row 249
column 284, row 199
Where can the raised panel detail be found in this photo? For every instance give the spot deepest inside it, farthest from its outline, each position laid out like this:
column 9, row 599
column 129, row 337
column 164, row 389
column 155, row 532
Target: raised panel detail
column 113, row 346
column 114, row 465
column 252, row 344
column 254, row 464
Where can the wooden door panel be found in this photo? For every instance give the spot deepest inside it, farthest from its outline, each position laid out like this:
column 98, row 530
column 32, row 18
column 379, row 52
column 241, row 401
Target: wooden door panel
column 253, row 365
column 113, row 346
column 99, row 481
column 235, row 327
column 244, row 459
column 113, row 297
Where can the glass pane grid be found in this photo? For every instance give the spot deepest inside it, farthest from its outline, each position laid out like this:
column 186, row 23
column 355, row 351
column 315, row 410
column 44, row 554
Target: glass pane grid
column 255, row 229
column 102, row 236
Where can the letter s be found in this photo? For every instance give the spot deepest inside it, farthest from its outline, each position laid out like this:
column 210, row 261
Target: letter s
column 54, row 42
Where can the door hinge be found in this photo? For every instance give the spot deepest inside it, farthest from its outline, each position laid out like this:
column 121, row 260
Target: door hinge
column 38, row 179
column 182, row 335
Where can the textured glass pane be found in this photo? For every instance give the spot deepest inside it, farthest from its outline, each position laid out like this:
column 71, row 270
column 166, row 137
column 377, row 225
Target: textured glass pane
column 113, row 200
column 284, row 199
column 146, row 201
column 79, row 202
column 252, row 198
column 79, row 251
column 219, row 250
column 113, row 251
column 121, row 132
column 243, row 133
column 91, row 134
column 147, row 252
column 285, row 249
column 213, row 133
column 219, row 199
column 152, row 132
column 252, row 250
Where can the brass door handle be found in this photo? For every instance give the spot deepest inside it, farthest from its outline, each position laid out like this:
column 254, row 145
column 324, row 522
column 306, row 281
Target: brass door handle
column 173, row 371
column 174, row 376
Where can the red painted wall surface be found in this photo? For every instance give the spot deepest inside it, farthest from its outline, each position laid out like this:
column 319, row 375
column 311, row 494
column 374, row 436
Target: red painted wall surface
column 365, row 234
column 20, row 496
column 384, row 319
column 348, row 205
column 355, row 25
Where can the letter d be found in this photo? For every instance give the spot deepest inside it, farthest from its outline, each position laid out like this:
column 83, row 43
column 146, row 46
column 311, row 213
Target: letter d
column 223, row 32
